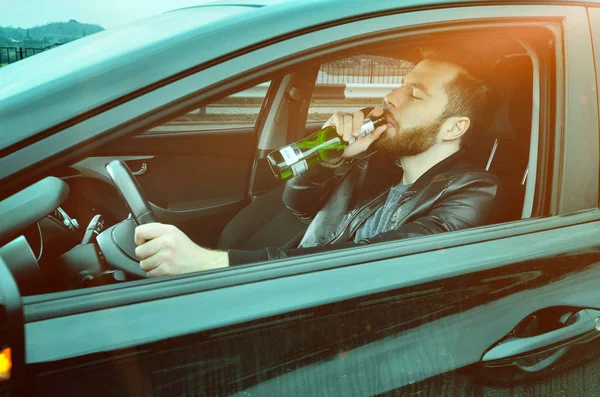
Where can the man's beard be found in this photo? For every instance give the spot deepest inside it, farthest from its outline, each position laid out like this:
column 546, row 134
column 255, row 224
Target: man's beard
column 410, row 142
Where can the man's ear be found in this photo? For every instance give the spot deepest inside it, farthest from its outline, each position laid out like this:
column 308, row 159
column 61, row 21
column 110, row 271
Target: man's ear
column 455, row 127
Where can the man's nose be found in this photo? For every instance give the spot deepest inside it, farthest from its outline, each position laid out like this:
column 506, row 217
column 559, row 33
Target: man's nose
column 393, row 99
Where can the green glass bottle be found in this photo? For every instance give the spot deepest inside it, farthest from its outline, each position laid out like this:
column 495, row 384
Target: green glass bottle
column 321, row 146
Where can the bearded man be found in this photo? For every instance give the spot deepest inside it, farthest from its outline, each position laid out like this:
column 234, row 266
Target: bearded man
column 407, row 178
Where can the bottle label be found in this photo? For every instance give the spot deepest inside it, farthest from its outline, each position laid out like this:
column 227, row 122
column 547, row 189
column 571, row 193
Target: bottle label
column 291, row 154
column 299, row 167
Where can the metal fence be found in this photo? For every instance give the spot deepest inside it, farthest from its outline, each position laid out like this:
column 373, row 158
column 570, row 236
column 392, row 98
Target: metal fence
column 365, row 70
column 14, row 54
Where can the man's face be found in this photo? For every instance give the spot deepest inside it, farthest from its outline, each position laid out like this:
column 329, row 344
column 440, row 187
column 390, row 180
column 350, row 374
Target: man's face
column 413, row 111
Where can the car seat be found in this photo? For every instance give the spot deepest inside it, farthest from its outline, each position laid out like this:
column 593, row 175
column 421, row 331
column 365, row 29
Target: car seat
column 266, row 222
column 503, row 148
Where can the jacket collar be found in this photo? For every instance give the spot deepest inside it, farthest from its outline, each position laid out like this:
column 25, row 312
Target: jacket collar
column 386, row 171
column 437, row 170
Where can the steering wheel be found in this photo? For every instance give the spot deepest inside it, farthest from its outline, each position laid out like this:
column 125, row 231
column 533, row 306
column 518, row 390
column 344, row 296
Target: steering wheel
column 130, row 192
column 117, row 242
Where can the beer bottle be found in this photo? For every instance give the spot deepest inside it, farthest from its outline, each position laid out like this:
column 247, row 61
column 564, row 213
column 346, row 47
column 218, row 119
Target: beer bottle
column 321, row 146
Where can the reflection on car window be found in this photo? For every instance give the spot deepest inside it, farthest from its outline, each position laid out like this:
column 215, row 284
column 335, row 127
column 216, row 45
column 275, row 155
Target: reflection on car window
column 239, row 110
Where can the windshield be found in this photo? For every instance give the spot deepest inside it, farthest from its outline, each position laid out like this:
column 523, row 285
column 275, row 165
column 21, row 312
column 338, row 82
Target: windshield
column 51, row 87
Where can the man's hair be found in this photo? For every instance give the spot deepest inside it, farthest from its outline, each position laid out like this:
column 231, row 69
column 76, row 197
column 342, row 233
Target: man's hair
column 470, row 92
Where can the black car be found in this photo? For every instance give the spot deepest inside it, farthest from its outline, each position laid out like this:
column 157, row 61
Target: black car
column 192, row 101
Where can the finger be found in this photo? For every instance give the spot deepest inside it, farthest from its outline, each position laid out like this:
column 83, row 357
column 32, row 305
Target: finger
column 373, row 136
column 149, row 248
column 347, row 127
column 148, row 231
column 329, row 123
column 378, row 131
column 158, row 272
column 357, row 121
column 376, row 112
column 152, row 262
column 333, row 121
column 339, row 123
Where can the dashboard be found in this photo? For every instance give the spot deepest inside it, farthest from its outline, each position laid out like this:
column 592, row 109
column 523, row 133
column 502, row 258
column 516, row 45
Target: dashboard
column 47, row 249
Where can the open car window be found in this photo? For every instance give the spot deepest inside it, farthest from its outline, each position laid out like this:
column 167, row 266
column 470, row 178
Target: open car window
column 239, row 110
column 354, row 82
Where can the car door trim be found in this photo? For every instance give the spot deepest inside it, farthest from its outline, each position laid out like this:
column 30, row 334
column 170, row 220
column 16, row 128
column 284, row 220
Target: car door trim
column 159, row 319
column 66, row 303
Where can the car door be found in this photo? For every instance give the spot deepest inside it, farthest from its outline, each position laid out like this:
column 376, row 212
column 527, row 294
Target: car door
column 501, row 310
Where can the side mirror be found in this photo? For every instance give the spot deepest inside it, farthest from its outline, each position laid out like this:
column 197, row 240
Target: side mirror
column 12, row 336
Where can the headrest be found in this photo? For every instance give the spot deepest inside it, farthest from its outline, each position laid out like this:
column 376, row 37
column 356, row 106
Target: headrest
column 513, row 82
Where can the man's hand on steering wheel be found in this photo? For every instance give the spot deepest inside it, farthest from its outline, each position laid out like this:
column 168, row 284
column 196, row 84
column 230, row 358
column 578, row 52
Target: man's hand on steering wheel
column 165, row 250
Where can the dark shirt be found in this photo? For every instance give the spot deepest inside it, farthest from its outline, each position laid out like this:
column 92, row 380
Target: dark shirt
column 377, row 222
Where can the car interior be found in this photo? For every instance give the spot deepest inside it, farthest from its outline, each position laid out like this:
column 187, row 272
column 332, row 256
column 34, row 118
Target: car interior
column 216, row 186
column 503, row 149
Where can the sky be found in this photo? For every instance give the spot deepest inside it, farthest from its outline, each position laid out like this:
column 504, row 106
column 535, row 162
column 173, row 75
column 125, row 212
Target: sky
column 106, row 13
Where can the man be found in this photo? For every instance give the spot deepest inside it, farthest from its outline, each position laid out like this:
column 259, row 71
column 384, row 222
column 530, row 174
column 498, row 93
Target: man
column 407, row 178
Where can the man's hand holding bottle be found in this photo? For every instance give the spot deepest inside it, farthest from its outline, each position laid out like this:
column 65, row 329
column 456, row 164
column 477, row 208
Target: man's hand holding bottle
column 343, row 135
column 348, row 127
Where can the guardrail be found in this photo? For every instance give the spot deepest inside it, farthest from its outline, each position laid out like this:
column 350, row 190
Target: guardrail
column 321, row 92
column 363, row 71
column 330, row 91
column 13, row 54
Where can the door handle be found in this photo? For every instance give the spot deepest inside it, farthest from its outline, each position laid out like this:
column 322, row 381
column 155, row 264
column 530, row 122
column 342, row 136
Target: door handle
column 582, row 327
column 141, row 171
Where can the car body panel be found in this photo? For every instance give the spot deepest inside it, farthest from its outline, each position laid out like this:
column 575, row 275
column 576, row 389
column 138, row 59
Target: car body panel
column 223, row 307
column 392, row 332
column 581, row 114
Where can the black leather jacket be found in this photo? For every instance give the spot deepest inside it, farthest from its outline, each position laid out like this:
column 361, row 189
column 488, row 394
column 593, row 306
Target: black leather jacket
column 452, row 195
